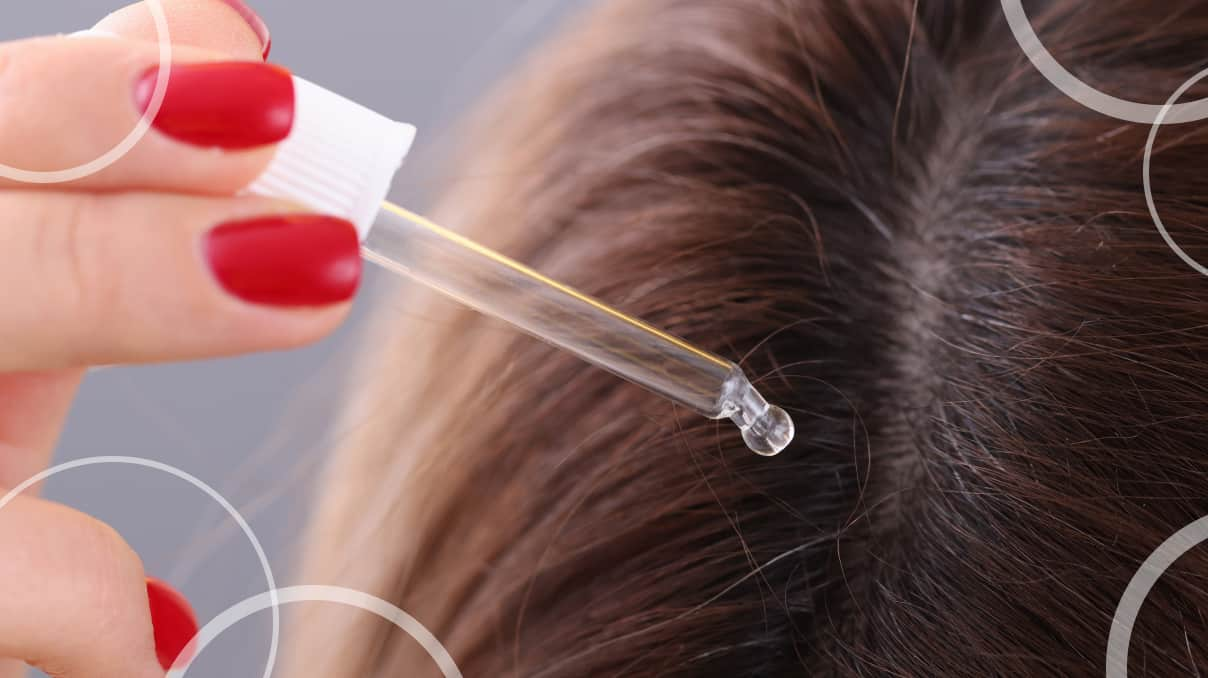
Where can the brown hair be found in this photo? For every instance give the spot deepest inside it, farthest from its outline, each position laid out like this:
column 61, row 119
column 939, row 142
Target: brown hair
column 940, row 264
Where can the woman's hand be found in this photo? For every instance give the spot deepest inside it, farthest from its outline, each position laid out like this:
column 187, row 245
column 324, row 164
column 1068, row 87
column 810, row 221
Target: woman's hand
column 150, row 259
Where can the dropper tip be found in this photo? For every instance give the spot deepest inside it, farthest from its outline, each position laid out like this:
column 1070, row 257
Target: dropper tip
column 770, row 433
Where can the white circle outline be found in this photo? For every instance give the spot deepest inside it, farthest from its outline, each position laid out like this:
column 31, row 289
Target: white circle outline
column 1138, row 589
column 199, row 484
column 1076, row 89
column 328, row 594
column 123, row 147
column 1149, row 202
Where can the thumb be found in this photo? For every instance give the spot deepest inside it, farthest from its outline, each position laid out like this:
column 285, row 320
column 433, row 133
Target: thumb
column 228, row 26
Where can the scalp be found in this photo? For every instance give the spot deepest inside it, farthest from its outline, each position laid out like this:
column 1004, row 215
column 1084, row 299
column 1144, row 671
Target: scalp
column 941, row 263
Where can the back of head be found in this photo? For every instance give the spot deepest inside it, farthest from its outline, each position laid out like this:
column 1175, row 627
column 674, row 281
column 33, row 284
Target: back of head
column 941, row 265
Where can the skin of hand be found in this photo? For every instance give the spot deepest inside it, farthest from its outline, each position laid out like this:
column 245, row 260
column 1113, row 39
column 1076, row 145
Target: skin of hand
column 153, row 258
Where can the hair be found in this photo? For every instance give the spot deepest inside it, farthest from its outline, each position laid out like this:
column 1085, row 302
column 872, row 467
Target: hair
column 942, row 266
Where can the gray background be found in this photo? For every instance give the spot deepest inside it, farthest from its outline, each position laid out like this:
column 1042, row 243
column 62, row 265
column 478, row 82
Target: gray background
column 256, row 428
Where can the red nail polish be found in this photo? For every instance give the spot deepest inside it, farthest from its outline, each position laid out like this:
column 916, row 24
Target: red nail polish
column 174, row 623
column 255, row 22
column 293, row 260
column 231, row 105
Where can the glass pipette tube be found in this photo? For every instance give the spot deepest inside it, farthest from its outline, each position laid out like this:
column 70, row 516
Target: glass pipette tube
column 408, row 244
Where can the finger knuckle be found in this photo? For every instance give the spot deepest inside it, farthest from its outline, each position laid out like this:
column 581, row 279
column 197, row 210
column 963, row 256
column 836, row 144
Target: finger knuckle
column 81, row 282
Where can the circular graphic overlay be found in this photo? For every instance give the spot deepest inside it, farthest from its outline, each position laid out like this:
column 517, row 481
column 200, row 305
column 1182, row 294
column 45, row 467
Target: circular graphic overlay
column 1153, row 209
column 123, row 147
column 195, row 482
column 1138, row 588
column 1079, row 91
column 322, row 594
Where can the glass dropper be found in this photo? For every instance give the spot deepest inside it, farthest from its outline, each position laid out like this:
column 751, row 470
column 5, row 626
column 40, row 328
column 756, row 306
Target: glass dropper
column 341, row 158
column 491, row 283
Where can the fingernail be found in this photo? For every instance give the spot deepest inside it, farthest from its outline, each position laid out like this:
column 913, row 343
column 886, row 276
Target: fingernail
column 254, row 22
column 231, row 105
column 294, row 260
column 174, row 622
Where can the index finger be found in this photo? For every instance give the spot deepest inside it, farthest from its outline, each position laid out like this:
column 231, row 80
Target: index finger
column 81, row 113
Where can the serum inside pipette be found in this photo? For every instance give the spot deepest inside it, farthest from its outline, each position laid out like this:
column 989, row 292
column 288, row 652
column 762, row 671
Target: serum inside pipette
column 489, row 282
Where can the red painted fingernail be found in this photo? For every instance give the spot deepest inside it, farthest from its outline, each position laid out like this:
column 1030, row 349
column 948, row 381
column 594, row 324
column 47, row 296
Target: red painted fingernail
column 255, row 22
column 232, row 105
column 293, row 260
column 174, row 623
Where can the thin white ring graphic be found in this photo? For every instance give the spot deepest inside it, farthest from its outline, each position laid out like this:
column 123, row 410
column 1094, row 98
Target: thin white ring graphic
column 1120, row 635
column 199, row 484
column 1138, row 588
column 123, row 147
column 1079, row 91
column 325, row 594
column 1153, row 209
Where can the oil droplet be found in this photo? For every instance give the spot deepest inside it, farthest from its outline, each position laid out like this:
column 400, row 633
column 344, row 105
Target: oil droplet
column 770, row 432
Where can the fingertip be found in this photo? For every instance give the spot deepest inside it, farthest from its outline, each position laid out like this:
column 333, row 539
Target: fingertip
column 286, row 260
column 225, row 26
column 76, row 601
column 256, row 23
column 288, row 329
